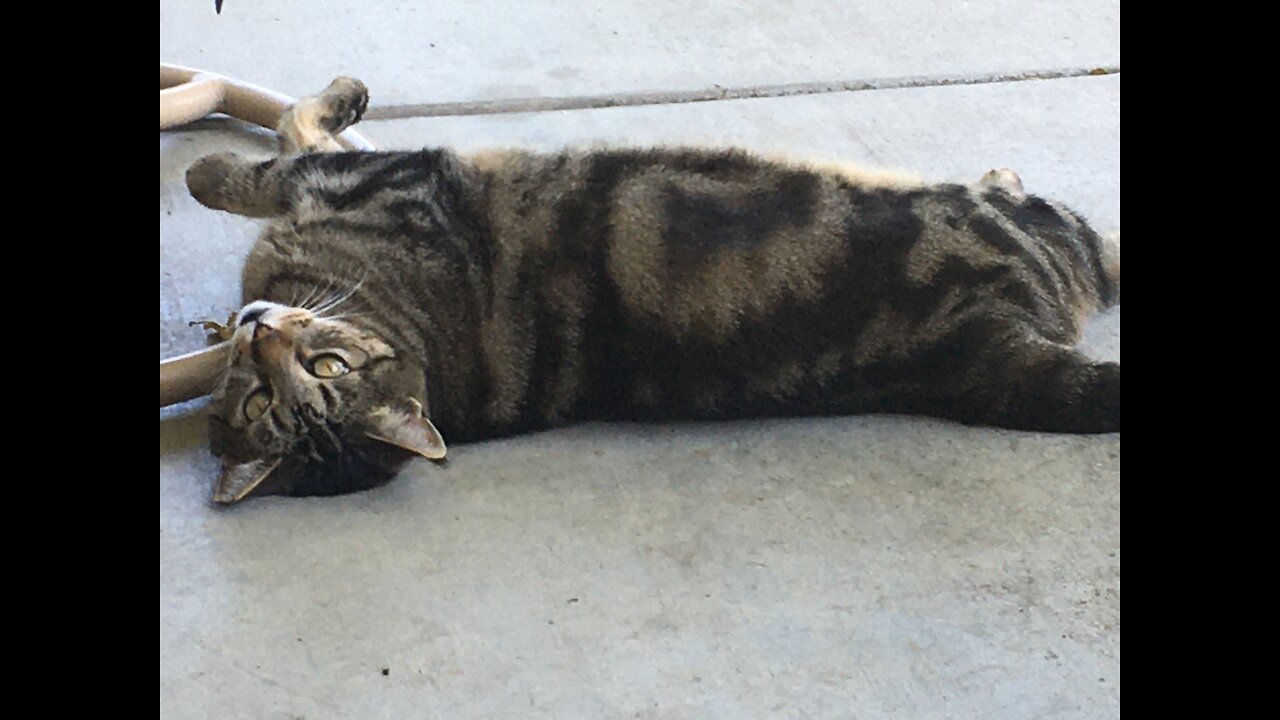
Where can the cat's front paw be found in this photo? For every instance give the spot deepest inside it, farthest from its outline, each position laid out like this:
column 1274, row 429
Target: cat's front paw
column 207, row 178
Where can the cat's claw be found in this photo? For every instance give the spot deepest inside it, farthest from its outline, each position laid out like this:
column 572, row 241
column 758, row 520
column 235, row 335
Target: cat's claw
column 218, row 332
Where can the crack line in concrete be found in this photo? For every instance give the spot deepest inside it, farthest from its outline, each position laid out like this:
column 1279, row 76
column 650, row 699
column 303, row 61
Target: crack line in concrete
column 587, row 102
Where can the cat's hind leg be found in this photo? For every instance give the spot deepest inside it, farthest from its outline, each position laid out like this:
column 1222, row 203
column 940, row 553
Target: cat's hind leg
column 1058, row 389
column 313, row 122
column 998, row 375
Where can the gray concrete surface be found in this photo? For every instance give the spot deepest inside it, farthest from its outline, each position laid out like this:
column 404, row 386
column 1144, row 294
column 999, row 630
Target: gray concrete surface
column 866, row 567
column 453, row 50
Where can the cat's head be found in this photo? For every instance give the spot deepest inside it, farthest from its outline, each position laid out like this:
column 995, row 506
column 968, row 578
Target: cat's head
column 314, row 406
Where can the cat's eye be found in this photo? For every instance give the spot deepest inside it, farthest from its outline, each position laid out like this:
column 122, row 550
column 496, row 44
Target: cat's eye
column 329, row 366
column 257, row 403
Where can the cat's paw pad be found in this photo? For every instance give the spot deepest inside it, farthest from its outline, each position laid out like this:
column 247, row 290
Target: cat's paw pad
column 343, row 104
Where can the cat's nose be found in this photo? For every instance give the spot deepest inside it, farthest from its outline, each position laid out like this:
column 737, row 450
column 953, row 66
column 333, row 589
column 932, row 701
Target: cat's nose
column 251, row 315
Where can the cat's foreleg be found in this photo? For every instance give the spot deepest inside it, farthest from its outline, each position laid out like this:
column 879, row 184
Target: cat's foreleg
column 226, row 181
column 229, row 182
column 313, row 123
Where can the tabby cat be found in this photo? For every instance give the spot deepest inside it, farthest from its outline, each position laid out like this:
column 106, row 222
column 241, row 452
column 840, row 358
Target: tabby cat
column 394, row 293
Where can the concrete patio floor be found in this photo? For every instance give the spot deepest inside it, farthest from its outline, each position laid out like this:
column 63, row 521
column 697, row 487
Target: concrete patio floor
column 863, row 567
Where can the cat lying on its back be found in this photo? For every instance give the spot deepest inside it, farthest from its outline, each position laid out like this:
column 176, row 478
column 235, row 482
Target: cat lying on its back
column 394, row 293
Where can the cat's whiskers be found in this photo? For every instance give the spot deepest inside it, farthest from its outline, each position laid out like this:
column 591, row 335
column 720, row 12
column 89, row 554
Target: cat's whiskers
column 334, row 305
column 344, row 316
column 310, row 294
column 321, row 295
column 360, row 305
column 330, row 303
column 327, row 301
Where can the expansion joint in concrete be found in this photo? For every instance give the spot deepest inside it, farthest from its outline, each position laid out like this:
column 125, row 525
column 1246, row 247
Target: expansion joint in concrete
column 586, row 102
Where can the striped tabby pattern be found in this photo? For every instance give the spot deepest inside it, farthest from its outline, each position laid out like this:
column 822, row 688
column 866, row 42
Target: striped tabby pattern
column 514, row 291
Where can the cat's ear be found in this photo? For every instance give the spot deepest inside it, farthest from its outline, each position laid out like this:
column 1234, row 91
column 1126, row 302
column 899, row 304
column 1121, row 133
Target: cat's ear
column 407, row 428
column 237, row 481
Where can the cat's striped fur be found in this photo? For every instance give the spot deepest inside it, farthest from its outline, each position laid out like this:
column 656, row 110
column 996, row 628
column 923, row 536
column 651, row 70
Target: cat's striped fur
column 532, row 290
